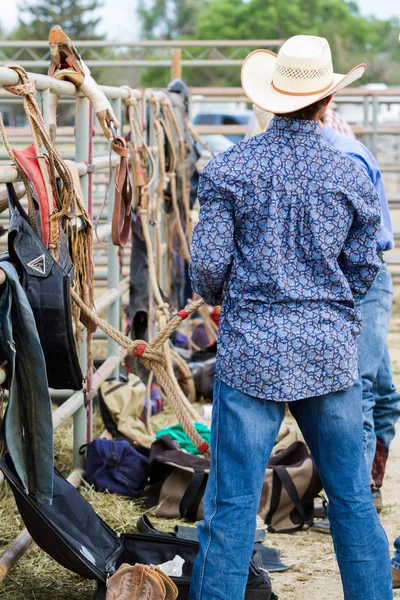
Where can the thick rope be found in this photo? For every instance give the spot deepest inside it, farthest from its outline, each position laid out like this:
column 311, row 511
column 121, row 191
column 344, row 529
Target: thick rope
column 26, row 89
column 67, row 203
column 31, row 207
column 143, row 183
column 153, row 359
column 171, row 119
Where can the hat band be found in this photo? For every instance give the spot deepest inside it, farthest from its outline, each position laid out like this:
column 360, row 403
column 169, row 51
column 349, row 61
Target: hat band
column 301, row 93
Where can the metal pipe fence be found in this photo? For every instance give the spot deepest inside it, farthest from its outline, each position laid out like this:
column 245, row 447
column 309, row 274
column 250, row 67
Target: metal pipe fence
column 110, row 300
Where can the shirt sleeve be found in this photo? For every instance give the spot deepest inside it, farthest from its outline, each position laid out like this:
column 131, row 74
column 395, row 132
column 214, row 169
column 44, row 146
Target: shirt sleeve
column 358, row 259
column 213, row 239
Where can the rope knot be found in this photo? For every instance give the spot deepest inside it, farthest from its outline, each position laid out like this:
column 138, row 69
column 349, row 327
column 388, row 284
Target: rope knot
column 148, row 355
column 131, row 100
column 21, row 89
column 24, row 87
column 140, row 349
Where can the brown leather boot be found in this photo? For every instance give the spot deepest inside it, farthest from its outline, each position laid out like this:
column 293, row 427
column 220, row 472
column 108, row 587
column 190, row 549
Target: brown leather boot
column 120, row 585
column 396, row 578
column 135, row 583
column 379, row 465
column 171, row 591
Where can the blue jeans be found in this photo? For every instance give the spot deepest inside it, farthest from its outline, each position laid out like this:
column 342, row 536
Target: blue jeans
column 381, row 402
column 396, row 558
column 28, row 420
column 244, row 429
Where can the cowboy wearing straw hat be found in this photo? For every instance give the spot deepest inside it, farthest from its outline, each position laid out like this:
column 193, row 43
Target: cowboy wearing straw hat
column 286, row 237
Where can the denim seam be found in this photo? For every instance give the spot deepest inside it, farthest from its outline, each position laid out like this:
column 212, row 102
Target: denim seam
column 210, row 519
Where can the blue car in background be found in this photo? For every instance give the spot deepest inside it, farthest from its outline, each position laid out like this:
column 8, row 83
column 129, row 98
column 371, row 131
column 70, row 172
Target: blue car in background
column 240, row 118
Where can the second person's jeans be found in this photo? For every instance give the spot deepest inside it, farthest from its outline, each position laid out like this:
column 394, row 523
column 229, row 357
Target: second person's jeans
column 244, row 429
column 396, row 558
column 381, row 402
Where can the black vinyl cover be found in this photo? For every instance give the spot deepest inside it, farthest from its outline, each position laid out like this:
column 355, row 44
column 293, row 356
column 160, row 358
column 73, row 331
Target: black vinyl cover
column 73, row 534
column 47, row 284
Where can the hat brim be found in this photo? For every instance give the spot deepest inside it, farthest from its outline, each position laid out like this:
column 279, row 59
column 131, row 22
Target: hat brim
column 257, row 74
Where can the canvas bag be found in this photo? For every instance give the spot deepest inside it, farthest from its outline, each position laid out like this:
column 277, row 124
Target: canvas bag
column 122, row 403
column 177, row 481
column 291, row 483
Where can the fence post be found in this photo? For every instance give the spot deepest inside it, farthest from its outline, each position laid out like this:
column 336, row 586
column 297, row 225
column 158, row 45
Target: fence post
column 176, row 67
column 82, row 126
column 114, row 311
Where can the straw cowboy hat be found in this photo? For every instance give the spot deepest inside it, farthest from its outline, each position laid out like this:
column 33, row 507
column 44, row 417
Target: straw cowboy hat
column 299, row 75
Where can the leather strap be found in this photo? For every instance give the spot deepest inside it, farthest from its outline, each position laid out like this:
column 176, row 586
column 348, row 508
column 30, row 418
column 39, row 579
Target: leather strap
column 193, row 496
column 281, row 478
column 122, row 213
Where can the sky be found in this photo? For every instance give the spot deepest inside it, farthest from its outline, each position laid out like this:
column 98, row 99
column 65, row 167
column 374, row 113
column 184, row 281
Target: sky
column 119, row 15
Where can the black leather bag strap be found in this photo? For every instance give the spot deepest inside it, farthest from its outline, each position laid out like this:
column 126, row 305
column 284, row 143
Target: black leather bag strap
column 14, row 202
column 193, row 496
column 281, row 478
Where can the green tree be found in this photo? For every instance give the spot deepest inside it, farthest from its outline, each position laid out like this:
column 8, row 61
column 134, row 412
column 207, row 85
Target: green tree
column 75, row 17
column 169, row 19
column 353, row 38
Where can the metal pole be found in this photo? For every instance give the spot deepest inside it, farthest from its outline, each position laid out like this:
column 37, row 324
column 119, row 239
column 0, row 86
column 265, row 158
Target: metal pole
column 82, row 124
column 45, row 107
column 366, row 139
column 114, row 311
column 374, row 137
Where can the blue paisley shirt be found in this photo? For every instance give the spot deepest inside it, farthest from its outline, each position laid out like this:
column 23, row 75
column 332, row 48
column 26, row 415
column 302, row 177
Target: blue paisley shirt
column 288, row 226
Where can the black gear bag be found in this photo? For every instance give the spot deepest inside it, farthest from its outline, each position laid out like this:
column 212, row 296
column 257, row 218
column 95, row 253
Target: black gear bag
column 73, row 534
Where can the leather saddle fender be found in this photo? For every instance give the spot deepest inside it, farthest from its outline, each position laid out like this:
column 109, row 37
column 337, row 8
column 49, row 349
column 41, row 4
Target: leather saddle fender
column 47, row 285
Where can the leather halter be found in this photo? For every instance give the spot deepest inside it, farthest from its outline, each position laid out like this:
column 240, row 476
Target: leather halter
column 122, row 213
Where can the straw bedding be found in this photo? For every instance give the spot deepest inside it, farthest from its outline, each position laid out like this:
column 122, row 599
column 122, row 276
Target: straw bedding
column 36, row 576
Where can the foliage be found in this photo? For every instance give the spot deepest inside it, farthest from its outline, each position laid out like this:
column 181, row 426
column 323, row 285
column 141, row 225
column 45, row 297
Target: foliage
column 75, row 17
column 353, row 37
column 169, row 19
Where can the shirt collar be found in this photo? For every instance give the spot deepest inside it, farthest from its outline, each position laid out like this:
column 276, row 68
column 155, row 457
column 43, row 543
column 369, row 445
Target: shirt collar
column 295, row 125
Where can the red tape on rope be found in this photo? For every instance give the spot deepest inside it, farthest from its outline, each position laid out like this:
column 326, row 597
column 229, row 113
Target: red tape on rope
column 203, row 447
column 183, row 314
column 140, row 349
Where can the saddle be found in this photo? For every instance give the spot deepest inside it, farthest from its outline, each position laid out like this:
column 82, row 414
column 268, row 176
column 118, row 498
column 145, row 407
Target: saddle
column 47, row 284
column 66, row 64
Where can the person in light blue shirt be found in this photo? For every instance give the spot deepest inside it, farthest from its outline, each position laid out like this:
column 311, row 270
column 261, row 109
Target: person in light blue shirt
column 381, row 401
column 360, row 153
